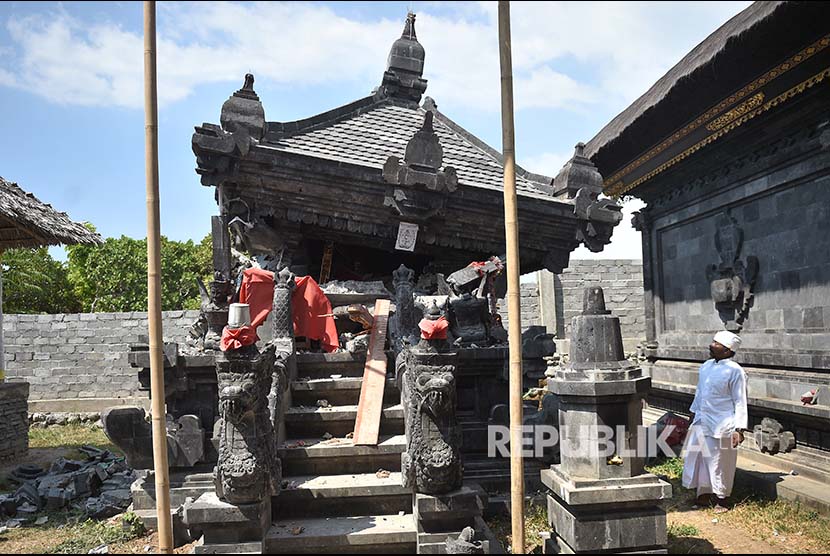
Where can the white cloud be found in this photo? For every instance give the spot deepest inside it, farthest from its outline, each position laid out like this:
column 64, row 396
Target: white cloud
column 618, row 50
column 547, row 164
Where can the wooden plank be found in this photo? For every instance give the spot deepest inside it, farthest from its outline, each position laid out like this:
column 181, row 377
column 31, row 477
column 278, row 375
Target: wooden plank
column 370, row 406
column 325, row 266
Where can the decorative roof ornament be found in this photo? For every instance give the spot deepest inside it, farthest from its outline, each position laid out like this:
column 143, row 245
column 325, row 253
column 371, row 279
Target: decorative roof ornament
column 403, row 78
column 580, row 180
column 577, row 173
column 418, row 185
column 243, row 112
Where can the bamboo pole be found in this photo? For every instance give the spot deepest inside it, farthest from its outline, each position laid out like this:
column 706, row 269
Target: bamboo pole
column 151, row 169
column 514, row 308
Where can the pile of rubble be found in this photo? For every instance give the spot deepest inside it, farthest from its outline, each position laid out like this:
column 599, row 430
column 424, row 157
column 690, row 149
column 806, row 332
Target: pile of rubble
column 41, row 420
column 99, row 486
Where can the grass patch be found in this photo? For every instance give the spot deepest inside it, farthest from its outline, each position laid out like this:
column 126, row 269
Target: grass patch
column 670, row 468
column 70, row 437
column 88, row 534
column 765, row 519
column 536, row 521
column 682, row 530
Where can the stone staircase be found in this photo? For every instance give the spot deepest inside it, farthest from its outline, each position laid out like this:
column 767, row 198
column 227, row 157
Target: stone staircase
column 338, row 497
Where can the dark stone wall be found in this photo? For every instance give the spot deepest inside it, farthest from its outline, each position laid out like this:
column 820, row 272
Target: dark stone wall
column 773, row 177
column 14, row 420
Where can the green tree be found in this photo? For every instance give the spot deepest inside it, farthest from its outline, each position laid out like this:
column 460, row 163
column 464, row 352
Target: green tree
column 113, row 276
column 34, row 282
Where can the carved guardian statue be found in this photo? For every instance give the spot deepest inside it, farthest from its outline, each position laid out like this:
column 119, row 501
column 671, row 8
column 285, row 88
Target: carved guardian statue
column 431, row 463
column 248, row 469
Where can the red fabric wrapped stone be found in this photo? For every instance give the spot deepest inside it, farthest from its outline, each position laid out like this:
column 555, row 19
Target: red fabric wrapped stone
column 434, row 329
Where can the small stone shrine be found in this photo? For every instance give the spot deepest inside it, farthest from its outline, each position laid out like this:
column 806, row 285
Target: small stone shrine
column 602, row 499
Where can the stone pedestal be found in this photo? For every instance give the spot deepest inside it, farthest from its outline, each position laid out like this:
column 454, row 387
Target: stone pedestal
column 442, row 516
column 225, row 527
column 600, row 498
column 14, row 420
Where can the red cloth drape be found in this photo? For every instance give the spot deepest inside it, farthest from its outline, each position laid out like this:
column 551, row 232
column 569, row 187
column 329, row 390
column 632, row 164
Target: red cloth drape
column 257, row 290
column 308, row 302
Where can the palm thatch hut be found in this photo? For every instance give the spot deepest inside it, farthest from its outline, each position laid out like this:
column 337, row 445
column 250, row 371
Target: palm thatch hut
column 26, row 221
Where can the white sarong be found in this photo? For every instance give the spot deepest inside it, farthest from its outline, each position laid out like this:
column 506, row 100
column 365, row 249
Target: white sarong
column 709, row 463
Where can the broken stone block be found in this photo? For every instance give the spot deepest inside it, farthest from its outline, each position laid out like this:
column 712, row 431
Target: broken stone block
column 27, row 472
column 8, row 505
column 771, row 425
column 27, row 493
column 770, row 437
column 57, row 498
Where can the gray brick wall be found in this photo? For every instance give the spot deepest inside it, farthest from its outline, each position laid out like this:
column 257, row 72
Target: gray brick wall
column 530, row 306
column 621, row 281
column 622, row 284
column 72, row 356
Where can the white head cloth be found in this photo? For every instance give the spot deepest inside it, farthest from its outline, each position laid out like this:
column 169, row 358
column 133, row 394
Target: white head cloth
column 728, row 339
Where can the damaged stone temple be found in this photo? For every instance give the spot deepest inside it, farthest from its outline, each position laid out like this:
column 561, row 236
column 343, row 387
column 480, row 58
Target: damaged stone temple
column 384, row 198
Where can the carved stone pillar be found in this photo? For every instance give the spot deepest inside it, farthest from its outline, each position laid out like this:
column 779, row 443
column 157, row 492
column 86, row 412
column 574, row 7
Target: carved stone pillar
column 248, row 469
column 432, row 461
column 431, row 464
column 285, row 359
column 405, row 327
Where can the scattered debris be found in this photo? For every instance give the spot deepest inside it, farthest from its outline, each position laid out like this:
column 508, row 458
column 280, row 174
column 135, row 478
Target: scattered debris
column 327, row 436
column 100, row 485
column 102, row 549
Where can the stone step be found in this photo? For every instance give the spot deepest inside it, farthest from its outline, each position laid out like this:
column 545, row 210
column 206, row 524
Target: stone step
column 337, row 391
column 310, row 422
column 182, row 486
column 340, row 456
column 323, row 365
column 370, row 534
column 341, row 495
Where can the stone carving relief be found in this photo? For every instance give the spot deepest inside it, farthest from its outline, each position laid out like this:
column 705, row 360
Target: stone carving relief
column 418, row 186
column 580, row 181
column 248, row 469
column 404, row 326
column 733, row 279
column 431, row 463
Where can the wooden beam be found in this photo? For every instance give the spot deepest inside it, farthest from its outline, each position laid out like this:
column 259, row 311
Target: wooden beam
column 370, row 407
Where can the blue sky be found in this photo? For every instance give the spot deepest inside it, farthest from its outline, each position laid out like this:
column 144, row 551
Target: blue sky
column 71, row 92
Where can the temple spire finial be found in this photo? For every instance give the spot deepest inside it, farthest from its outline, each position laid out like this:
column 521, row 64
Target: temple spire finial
column 409, row 27
column 403, row 78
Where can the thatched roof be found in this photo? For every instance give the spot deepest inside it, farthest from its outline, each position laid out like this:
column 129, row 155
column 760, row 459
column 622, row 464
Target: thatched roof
column 25, row 221
column 698, row 58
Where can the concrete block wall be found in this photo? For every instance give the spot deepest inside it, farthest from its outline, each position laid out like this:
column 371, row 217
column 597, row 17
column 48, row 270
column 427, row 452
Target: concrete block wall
column 77, row 356
column 622, row 284
column 530, row 306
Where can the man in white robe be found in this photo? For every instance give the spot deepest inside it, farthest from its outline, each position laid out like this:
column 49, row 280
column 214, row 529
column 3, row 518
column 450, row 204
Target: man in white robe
column 718, row 421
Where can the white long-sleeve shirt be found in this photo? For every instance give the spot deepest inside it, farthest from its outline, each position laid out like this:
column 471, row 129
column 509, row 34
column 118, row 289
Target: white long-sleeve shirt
column 720, row 399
